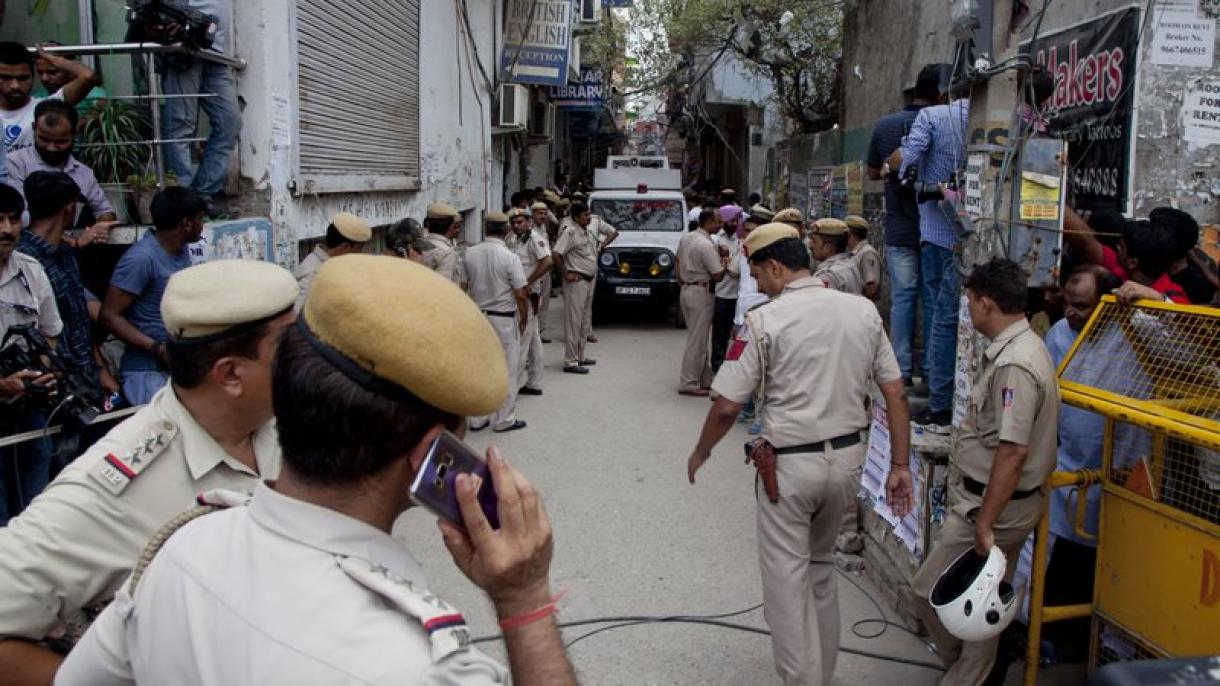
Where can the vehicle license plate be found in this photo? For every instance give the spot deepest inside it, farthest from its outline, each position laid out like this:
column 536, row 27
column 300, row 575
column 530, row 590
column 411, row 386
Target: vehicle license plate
column 632, row 290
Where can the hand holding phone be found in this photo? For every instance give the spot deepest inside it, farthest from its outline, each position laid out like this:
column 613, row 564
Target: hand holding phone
column 435, row 485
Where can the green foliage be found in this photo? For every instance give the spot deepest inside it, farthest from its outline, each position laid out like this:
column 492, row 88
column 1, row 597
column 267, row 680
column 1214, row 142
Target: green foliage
column 795, row 44
column 109, row 122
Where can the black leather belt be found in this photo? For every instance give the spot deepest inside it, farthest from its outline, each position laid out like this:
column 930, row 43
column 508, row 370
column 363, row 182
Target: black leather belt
column 499, row 314
column 836, row 443
column 977, row 487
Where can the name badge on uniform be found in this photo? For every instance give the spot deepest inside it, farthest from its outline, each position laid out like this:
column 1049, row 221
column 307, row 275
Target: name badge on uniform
column 115, row 471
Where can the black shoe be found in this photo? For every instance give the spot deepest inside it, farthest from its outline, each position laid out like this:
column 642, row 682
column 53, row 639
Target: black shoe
column 577, row 369
column 934, row 421
column 547, row 340
column 480, row 427
column 526, row 390
column 519, row 424
column 587, row 362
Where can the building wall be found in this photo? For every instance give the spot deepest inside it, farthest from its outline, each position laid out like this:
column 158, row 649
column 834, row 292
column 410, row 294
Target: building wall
column 458, row 162
column 730, row 83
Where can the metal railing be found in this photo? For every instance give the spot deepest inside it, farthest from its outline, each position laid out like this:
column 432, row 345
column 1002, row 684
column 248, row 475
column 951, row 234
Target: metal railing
column 150, row 52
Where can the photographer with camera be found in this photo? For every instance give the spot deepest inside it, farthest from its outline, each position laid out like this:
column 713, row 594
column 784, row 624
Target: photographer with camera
column 26, row 298
column 202, row 25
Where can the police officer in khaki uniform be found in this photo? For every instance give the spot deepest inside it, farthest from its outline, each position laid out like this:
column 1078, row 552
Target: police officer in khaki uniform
column 1004, row 452
column 541, row 224
column 209, row 428
column 792, row 217
column 604, row 234
column 303, row 583
column 498, row 286
column 866, row 257
column 814, row 354
column 534, row 251
column 444, row 224
column 828, row 245
column 699, row 266
column 575, row 255
column 347, row 233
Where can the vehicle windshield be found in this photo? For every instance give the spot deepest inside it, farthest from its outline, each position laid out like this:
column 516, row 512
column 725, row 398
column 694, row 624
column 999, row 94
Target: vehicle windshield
column 632, row 214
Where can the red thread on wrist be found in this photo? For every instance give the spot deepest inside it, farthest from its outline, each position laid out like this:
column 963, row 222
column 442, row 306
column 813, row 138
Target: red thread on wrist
column 518, row 621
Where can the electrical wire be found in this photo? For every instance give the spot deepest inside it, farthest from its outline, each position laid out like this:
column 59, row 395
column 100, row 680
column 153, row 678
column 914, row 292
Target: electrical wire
column 717, row 620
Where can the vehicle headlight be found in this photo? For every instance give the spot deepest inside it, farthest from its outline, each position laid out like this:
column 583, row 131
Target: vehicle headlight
column 607, row 259
column 664, row 260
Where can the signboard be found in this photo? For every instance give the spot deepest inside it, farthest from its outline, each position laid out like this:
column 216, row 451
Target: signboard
column 1183, row 39
column 537, row 42
column 1094, row 66
column 589, row 93
column 975, row 164
column 1201, row 113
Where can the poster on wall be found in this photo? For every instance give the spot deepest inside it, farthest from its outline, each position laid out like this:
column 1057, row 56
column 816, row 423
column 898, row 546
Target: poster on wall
column 537, row 41
column 1094, row 64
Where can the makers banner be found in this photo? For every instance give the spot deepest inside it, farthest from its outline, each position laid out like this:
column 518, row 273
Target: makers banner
column 537, row 41
column 587, row 94
column 1094, row 65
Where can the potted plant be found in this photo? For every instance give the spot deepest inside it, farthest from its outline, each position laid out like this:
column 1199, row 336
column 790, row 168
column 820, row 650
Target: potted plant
column 113, row 141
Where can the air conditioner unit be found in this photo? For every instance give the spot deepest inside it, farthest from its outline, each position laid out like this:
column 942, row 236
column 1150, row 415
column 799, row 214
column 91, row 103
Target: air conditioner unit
column 513, row 111
column 542, row 120
column 590, row 11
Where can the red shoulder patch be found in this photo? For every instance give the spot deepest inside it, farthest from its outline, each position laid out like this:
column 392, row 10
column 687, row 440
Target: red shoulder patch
column 736, row 349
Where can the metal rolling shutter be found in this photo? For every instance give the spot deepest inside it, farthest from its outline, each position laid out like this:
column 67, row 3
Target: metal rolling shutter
column 358, row 116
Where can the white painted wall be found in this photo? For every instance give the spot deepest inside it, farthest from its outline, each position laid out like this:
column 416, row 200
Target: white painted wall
column 731, row 83
column 457, row 162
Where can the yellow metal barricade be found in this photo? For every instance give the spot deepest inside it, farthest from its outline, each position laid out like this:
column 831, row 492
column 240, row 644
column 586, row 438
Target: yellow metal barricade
column 1153, row 372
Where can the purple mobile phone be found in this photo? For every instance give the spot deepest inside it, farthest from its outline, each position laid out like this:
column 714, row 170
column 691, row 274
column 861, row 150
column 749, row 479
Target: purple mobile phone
column 434, row 485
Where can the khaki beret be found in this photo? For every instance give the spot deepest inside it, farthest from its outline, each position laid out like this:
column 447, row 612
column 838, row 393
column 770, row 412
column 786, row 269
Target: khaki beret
column 517, row 212
column 564, row 202
column 404, row 325
column 790, row 214
column 767, row 234
column 214, row 297
column 830, row 227
column 551, row 197
column 761, row 214
column 495, row 218
column 539, row 206
column 727, row 191
column 439, row 210
column 855, row 221
column 352, row 228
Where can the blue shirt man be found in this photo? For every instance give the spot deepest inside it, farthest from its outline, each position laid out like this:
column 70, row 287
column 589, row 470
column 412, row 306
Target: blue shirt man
column 936, row 147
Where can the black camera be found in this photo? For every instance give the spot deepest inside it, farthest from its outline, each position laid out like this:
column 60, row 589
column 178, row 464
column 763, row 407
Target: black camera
column 160, row 22
column 74, row 395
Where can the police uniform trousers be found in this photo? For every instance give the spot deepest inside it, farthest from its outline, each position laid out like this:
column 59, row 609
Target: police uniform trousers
column 970, row 662
column 589, row 308
column 529, row 356
column 510, row 341
column 575, row 301
column 796, row 539
column 697, row 303
column 544, row 304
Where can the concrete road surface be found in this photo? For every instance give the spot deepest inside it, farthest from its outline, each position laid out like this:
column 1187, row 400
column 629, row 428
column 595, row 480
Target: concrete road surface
column 608, row 452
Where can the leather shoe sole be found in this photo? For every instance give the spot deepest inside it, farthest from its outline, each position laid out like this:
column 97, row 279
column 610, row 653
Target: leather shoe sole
column 575, row 370
column 526, row 390
column 698, row 394
column 519, row 424
column 587, row 362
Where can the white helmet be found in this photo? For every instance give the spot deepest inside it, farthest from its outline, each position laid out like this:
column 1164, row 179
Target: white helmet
column 972, row 599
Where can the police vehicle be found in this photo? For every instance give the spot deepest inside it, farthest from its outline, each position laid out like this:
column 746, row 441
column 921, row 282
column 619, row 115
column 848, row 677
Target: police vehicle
column 642, row 198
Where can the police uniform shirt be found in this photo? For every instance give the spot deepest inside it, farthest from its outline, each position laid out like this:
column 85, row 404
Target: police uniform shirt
column 281, row 626
column 307, row 270
column 815, row 351
column 532, row 248
column 1015, row 399
column 579, row 248
column 74, row 545
column 26, row 296
column 868, row 262
column 444, row 258
column 698, row 258
column 494, row 273
column 839, row 272
column 600, row 229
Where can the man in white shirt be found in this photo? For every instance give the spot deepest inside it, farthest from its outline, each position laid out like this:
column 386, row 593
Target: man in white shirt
column 17, row 82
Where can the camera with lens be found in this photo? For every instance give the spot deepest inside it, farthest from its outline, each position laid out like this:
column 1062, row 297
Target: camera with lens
column 161, row 22
column 923, row 190
column 74, row 396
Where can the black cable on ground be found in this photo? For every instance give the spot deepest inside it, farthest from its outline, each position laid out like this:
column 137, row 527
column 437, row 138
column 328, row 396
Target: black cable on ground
column 717, row 621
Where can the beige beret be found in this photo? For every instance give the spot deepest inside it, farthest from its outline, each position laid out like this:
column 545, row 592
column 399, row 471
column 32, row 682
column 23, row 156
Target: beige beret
column 790, row 214
column 830, row 227
column 564, row 202
column 352, row 228
column 411, row 327
column 213, row 297
column 495, row 218
column 439, row 210
column 761, row 213
column 855, row 221
column 767, row 234
column 517, row 212
column 539, row 206
column 551, row 197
